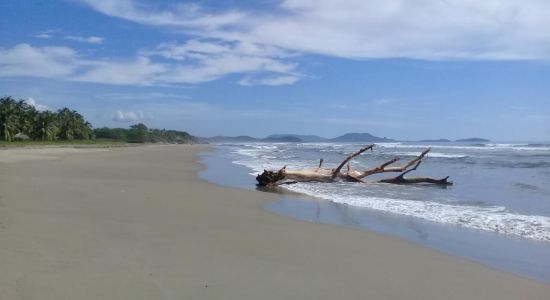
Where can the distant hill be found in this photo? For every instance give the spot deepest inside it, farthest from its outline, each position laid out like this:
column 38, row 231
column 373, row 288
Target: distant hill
column 360, row 137
column 435, row 141
column 297, row 138
column 473, row 140
column 304, row 138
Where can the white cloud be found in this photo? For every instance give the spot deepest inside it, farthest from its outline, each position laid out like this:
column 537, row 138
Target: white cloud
column 188, row 63
column 450, row 29
column 129, row 116
column 39, row 107
column 186, row 15
column 273, row 81
column 56, row 33
column 25, row 60
column 139, row 71
column 261, row 46
column 208, row 60
column 85, row 39
column 197, row 49
column 44, row 36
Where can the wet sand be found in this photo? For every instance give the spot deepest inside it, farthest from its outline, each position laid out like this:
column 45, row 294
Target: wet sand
column 137, row 223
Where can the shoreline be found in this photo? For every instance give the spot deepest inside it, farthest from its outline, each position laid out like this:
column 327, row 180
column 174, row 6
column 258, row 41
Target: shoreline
column 521, row 256
column 131, row 223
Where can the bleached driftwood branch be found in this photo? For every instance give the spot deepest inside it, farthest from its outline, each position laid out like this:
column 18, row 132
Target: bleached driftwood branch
column 319, row 174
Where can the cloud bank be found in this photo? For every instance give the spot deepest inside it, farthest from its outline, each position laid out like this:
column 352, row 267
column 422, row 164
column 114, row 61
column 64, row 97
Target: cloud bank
column 85, row 39
column 424, row 29
column 262, row 46
column 128, row 116
column 188, row 63
column 25, row 60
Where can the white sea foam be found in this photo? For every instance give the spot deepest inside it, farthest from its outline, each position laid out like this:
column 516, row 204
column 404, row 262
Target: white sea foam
column 389, row 144
column 491, row 218
column 258, row 167
column 259, row 159
column 483, row 147
column 431, row 154
column 505, row 145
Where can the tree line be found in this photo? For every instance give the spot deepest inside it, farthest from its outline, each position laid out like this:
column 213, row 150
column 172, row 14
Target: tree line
column 21, row 121
column 139, row 133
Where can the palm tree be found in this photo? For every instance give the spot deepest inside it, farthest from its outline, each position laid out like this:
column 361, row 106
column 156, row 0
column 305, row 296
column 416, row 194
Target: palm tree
column 66, row 121
column 45, row 126
column 8, row 118
column 15, row 117
column 72, row 125
column 10, row 127
column 26, row 114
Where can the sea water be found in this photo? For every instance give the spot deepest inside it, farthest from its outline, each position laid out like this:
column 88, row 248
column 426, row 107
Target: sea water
column 497, row 212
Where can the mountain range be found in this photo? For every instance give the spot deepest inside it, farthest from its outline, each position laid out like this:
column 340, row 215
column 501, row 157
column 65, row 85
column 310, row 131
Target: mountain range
column 300, row 138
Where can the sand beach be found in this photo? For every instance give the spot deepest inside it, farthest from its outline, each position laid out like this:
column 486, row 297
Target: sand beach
column 137, row 223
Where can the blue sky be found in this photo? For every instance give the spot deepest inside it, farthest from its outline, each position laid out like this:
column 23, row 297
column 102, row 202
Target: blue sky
column 401, row 69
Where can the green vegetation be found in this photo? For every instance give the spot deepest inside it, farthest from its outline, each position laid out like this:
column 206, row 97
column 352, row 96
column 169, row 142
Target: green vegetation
column 22, row 124
column 22, row 121
column 139, row 133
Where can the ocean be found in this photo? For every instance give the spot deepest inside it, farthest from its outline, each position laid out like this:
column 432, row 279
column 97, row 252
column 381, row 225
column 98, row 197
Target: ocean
column 497, row 212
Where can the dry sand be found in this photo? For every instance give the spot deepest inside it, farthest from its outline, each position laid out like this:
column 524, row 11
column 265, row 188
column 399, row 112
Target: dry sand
column 136, row 223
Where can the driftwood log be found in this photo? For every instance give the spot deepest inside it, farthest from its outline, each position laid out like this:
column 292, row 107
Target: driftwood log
column 320, row 174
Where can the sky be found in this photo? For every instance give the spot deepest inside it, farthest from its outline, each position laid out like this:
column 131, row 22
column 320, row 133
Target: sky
column 402, row 69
